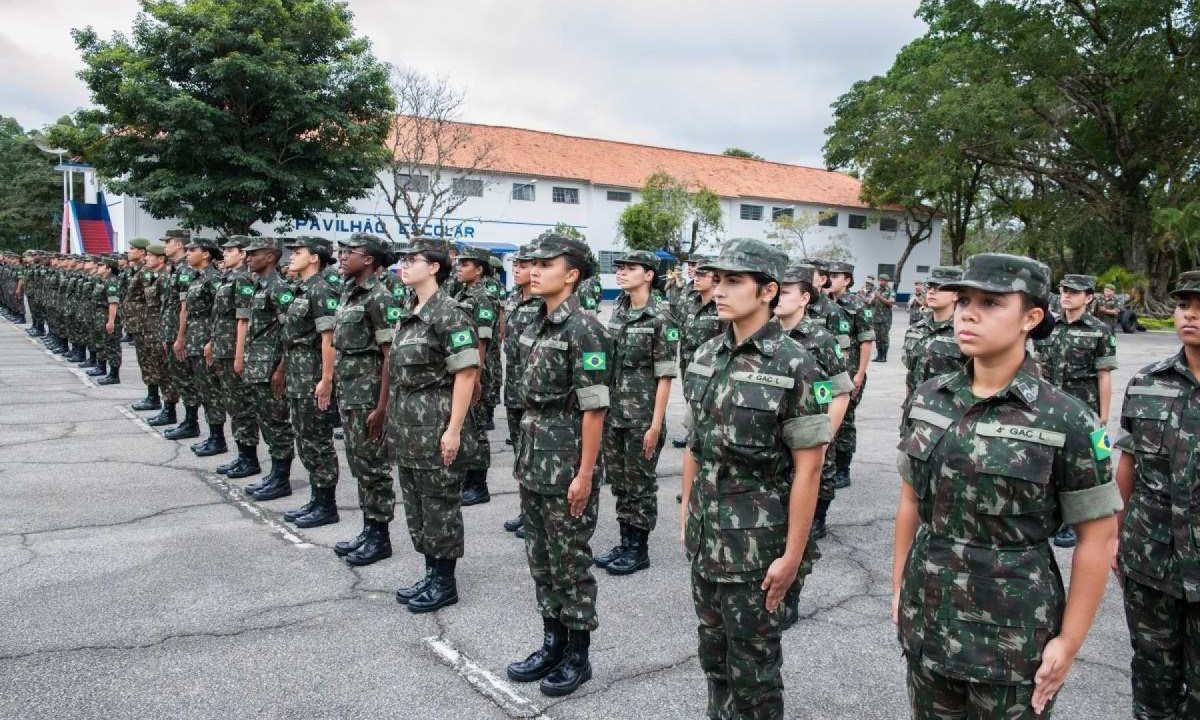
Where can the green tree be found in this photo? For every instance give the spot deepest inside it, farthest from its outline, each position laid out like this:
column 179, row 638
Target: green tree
column 671, row 216
column 229, row 112
column 737, row 152
column 31, row 194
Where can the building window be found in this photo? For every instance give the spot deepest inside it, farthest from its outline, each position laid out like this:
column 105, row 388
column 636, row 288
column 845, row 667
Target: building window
column 884, row 269
column 889, row 224
column 922, row 268
column 606, row 261
column 828, row 219
column 413, row 183
column 782, row 212
column 857, row 222
column 570, row 196
column 620, row 196
column 523, row 191
column 467, row 187
column 752, row 212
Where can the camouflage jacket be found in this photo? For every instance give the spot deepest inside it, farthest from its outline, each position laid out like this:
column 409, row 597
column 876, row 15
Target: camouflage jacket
column 362, row 328
column 152, row 290
column 930, row 350
column 171, row 286
column 645, row 343
column 994, row 479
column 1074, row 353
column 311, row 313
column 519, row 313
column 430, row 346
column 836, row 322
column 567, row 374
column 749, row 406
column 333, row 278
column 827, row 353
column 590, row 293
column 133, row 307
column 862, row 327
column 264, row 335
column 916, row 304
column 700, row 325
column 881, row 312
column 199, row 298
column 1160, row 420
column 477, row 300
column 494, row 289
column 229, row 285
column 1113, row 303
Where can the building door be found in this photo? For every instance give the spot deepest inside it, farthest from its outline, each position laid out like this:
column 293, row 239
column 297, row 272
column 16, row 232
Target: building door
column 889, row 270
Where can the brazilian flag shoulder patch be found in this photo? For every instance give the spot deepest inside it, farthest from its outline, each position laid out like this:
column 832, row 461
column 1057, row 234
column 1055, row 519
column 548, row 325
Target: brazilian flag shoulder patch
column 184, row 277
column 1101, row 444
column 844, row 326
column 1112, row 341
column 246, row 289
column 462, row 338
column 672, row 334
column 837, row 350
column 486, row 314
column 393, row 314
column 866, row 313
column 112, row 289
column 589, row 303
column 331, row 303
column 595, row 361
column 823, row 392
column 286, row 297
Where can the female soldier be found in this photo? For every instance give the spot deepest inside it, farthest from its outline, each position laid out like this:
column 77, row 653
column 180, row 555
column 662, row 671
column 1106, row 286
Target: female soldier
column 750, row 479
column 520, row 310
column 1157, row 474
column 993, row 459
column 195, row 326
column 645, row 341
column 432, row 370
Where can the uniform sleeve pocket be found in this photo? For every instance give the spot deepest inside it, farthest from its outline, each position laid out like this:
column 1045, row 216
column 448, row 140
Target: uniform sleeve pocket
column 1148, row 417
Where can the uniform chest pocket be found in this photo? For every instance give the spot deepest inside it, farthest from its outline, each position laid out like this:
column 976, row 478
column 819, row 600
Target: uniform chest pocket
column 1148, row 415
column 411, row 352
column 551, row 370
column 1013, row 475
column 753, row 530
column 352, row 331
column 152, row 291
column 754, row 413
column 635, row 346
column 1080, row 355
column 259, row 302
column 298, row 310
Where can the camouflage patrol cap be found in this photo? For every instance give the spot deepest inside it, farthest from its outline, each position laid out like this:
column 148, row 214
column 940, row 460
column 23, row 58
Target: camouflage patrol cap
column 1110, row 286
column 177, row 234
column 1082, row 283
column 369, row 243
column 799, row 273
column 314, row 244
column 551, row 245
column 264, row 243
column 837, row 266
column 203, row 243
column 236, row 241
column 156, row 249
column 747, row 255
column 1000, row 273
column 424, row 245
column 475, row 254
column 885, row 276
column 645, row 258
column 523, row 253
column 1187, row 284
column 943, row 274
column 139, row 243
column 496, row 263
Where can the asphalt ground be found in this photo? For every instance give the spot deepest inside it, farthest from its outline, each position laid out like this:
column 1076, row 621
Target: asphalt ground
column 136, row 583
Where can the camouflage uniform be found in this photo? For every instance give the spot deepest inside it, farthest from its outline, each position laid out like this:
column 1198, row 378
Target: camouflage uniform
column 479, row 304
column 1075, row 352
column 262, row 354
column 699, row 326
column 750, row 405
column 930, row 348
column 172, row 292
column 1159, row 556
column 590, row 293
column 493, row 392
column 108, row 345
column 981, row 593
column 881, row 316
column 234, row 288
column 201, row 290
column 916, row 306
column 152, row 357
column 861, row 330
column 1113, row 304
column 519, row 313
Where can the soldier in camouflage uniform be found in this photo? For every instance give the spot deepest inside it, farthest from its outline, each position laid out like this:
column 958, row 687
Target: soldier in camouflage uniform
column 106, row 325
column 493, row 392
column 993, row 460
column 520, row 310
column 362, row 336
column 1109, row 307
column 862, row 335
column 472, row 268
column 196, row 299
column 152, row 355
column 882, row 301
column 172, row 284
column 558, row 461
column 136, row 314
column 308, row 359
column 836, row 322
column 795, row 295
column 645, row 343
column 750, row 481
column 1159, row 557
column 433, row 369
column 916, row 303
column 699, row 323
column 929, row 346
column 235, row 285
column 1079, row 357
column 258, row 358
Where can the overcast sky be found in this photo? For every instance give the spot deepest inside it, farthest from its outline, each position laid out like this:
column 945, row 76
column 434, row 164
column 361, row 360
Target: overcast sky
column 693, row 75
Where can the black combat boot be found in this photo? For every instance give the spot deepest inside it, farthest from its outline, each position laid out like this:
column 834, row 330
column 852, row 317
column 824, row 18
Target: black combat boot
column 574, row 670
column 189, row 428
column 166, row 416
column 603, row 560
column 127, row 339
column 489, row 420
column 475, row 489
column 323, row 513
column 404, row 594
column 817, row 531
column 841, row 478
column 342, row 548
column 214, row 445
column 519, row 533
column 441, row 590
column 306, row 508
column 112, row 378
column 245, row 465
column 89, row 359
column 514, row 524
column 377, row 545
column 541, row 661
column 278, row 484
column 101, row 368
column 636, row 556
column 150, row 402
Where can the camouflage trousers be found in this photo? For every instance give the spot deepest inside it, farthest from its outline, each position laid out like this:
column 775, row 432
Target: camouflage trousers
column 812, row 553
column 273, row 421
column 883, row 331
column 513, row 414
column 560, row 558
column 314, row 441
column 932, row 696
column 237, row 399
column 493, row 380
column 846, row 441
column 633, row 478
column 1087, row 390
column 207, row 393
column 828, row 489
column 153, row 364
column 108, row 346
column 1165, row 634
column 476, row 455
column 181, row 378
column 368, row 460
column 433, row 509
column 740, row 649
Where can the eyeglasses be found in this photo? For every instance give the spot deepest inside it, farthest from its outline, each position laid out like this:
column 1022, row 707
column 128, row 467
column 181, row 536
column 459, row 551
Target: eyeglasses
column 409, row 260
column 343, row 252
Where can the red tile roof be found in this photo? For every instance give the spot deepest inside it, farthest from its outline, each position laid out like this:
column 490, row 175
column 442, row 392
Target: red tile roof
column 627, row 165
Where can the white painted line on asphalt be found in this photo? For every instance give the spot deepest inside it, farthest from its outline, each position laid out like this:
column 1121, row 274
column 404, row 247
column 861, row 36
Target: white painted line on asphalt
column 139, row 422
column 485, row 682
column 83, row 377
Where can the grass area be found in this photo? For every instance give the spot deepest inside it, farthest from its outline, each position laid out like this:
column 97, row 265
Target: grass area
column 1153, row 323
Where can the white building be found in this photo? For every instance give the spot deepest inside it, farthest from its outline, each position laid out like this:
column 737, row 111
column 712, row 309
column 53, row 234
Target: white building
column 538, row 179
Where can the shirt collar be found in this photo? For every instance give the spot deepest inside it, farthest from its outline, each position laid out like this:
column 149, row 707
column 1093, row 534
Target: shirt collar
column 564, row 310
column 766, row 340
column 1023, row 387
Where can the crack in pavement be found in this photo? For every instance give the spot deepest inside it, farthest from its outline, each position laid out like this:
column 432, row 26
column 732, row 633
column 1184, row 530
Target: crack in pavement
column 131, row 521
column 27, row 548
column 581, row 694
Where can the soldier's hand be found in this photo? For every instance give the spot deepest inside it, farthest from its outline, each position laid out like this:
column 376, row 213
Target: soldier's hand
column 239, row 364
column 323, row 392
column 577, row 495
column 1057, row 658
column 896, row 606
column 208, row 358
column 450, row 443
column 780, row 577
column 477, row 391
column 375, row 424
column 277, row 383
column 178, row 347
column 110, row 327
column 650, row 442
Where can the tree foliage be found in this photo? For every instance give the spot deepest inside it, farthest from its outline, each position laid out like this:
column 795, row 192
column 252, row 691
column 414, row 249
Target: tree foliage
column 672, row 216
column 738, row 152
column 229, row 112
column 31, row 195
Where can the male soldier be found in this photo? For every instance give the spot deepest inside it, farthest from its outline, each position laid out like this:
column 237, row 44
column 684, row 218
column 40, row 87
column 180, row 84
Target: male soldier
column 1159, row 558
column 108, row 337
column 1109, row 308
column 930, row 347
column 234, row 284
column 1078, row 357
column 590, row 291
column 916, row 303
column 471, row 268
column 862, row 335
column 135, row 312
column 881, row 316
column 197, row 288
column 520, row 311
column 171, row 286
column 154, row 361
column 257, row 357
column 493, row 392
column 699, row 324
